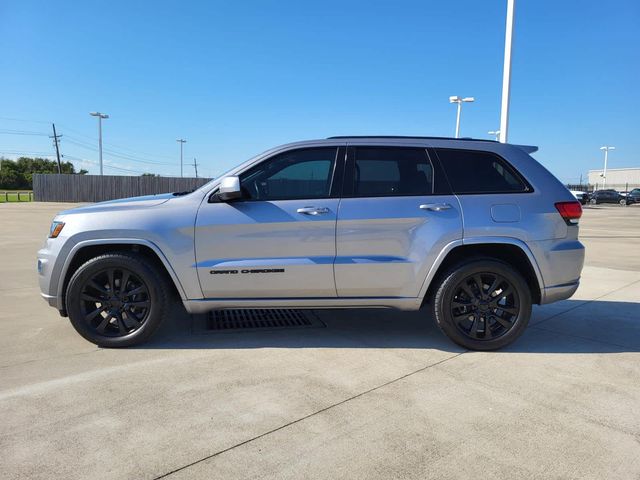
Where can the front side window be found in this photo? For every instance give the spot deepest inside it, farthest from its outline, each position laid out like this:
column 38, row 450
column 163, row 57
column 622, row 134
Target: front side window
column 388, row 171
column 471, row 171
column 291, row 175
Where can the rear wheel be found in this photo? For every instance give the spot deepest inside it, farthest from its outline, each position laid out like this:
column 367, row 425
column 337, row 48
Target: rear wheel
column 482, row 304
column 117, row 299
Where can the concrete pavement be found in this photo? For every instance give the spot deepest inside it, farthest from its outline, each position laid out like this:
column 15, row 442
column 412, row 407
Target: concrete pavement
column 375, row 394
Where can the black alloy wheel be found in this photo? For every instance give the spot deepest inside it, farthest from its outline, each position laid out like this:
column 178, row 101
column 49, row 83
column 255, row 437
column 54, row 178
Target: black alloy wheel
column 115, row 302
column 481, row 303
column 118, row 299
column 484, row 306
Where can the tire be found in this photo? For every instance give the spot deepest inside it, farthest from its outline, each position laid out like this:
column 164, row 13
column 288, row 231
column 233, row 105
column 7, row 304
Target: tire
column 463, row 314
column 109, row 317
column 593, row 201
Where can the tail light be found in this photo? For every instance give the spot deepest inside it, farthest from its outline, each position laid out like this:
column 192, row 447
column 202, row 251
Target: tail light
column 570, row 211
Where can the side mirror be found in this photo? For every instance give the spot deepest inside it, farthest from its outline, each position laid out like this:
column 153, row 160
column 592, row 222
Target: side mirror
column 229, row 189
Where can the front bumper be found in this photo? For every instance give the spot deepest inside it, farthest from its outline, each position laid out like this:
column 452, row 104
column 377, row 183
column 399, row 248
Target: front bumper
column 46, row 266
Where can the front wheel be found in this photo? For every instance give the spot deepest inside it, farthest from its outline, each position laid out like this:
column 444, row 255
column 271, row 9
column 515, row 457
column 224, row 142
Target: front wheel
column 482, row 304
column 117, row 299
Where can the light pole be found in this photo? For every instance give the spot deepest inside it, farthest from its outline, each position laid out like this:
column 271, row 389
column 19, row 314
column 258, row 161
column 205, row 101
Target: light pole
column 495, row 133
column 506, row 72
column 181, row 141
column 606, row 149
column 100, row 117
column 459, row 101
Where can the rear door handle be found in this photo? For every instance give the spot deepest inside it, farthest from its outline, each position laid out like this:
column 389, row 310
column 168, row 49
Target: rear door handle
column 313, row 210
column 435, row 207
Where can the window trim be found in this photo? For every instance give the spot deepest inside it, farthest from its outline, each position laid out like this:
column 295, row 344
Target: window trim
column 335, row 180
column 528, row 188
column 349, row 176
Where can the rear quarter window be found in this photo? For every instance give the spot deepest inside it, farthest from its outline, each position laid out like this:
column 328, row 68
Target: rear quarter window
column 472, row 172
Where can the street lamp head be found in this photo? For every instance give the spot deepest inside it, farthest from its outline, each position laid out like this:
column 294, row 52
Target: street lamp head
column 607, row 148
column 98, row 114
column 468, row 99
column 454, row 99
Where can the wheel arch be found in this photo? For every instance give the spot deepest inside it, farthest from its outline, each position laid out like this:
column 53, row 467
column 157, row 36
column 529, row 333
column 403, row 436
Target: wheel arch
column 510, row 250
column 85, row 250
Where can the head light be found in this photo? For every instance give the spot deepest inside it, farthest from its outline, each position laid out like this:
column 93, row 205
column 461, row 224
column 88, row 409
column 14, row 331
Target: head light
column 56, row 228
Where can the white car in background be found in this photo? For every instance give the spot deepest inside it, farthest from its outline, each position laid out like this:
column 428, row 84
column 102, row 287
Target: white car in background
column 583, row 197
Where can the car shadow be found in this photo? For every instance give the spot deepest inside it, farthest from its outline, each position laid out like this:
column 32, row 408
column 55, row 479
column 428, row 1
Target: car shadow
column 572, row 326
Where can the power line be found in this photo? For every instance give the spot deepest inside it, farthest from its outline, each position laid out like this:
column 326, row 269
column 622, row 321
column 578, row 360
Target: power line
column 21, row 132
column 23, row 120
column 116, row 145
column 113, row 153
column 20, row 152
column 65, row 127
column 107, row 165
column 82, row 143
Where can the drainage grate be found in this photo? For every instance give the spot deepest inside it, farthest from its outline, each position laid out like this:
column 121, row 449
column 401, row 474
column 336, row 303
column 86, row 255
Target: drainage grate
column 253, row 319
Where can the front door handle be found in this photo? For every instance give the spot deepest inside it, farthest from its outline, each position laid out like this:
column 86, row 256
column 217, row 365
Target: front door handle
column 435, row 207
column 313, row 210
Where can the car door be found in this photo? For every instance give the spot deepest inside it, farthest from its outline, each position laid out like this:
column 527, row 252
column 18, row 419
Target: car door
column 278, row 240
column 395, row 217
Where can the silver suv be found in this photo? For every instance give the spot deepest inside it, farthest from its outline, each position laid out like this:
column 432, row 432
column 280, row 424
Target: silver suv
column 473, row 231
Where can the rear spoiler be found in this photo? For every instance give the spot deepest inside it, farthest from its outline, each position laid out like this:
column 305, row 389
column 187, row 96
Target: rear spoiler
column 527, row 148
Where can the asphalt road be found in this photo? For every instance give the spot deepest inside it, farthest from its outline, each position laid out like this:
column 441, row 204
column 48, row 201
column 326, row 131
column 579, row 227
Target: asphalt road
column 374, row 394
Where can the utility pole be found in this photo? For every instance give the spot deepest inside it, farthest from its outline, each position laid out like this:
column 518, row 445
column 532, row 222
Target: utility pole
column 56, row 143
column 100, row 117
column 195, row 165
column 181, row 141
column 506, row 72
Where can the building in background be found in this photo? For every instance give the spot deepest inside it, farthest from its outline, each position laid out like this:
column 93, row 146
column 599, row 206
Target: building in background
column 621, row 179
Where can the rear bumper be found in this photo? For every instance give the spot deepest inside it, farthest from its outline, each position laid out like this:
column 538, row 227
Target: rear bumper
column 560, row 263
column 559, row 292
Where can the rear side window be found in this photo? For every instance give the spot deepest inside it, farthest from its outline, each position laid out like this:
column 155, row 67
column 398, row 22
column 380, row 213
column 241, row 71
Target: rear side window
column 381, row 172
column 471, row 171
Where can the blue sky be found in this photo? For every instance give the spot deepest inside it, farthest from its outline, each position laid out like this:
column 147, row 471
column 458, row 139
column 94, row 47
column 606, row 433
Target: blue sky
column 235, row 78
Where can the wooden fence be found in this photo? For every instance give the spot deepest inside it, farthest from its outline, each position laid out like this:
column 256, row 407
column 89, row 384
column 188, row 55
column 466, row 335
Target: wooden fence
column 96, row 188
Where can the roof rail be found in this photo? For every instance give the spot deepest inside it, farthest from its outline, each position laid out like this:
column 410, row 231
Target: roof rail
column 411, row 136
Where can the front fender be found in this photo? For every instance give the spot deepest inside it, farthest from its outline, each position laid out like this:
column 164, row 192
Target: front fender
column 57, row 278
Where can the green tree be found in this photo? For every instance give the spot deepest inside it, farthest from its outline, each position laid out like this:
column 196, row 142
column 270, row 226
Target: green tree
column 18, row 174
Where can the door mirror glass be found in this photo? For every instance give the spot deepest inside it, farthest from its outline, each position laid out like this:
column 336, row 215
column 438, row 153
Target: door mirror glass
column 229, row 189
